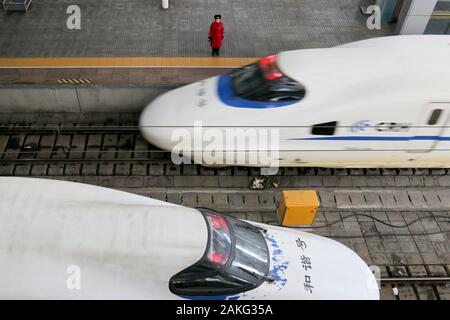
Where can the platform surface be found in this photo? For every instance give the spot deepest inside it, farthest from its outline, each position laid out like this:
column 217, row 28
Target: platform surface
column 124, row 28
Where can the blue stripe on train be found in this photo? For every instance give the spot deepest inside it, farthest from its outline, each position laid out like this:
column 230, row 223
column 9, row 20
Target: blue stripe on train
column 368, row 138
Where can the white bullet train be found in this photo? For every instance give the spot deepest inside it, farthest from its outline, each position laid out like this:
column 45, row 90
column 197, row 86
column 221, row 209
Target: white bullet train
column 64, row 240
column 382, row 102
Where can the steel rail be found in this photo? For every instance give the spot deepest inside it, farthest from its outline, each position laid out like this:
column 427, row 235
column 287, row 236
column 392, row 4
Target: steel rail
column 415, row 280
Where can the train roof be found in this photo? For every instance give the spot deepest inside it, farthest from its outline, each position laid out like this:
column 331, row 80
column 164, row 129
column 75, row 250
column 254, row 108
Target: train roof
column 416, row 41
column 385, row 65
column 113, row 236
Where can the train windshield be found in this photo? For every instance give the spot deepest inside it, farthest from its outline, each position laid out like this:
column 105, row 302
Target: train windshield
column 236, row 260
column 263, row 81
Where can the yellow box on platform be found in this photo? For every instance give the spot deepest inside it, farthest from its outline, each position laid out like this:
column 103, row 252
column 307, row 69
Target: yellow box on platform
column 298, row 207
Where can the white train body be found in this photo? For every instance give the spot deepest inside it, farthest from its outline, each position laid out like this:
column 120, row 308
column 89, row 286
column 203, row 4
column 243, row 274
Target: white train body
column 63, row 240
column 382, row 102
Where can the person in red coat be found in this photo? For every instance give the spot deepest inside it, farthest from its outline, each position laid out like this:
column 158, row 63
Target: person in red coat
column 215, row 36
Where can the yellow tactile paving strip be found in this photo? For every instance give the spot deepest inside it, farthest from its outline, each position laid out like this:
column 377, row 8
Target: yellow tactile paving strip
column 126, row 62
column 440, row 15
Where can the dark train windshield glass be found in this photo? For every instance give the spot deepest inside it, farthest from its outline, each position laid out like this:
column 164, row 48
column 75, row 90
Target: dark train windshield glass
column 236, row 260
column 258, row 83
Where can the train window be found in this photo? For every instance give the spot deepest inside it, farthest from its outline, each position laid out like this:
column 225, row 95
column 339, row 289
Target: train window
column 202, row 281
column 324, row 129
column 236, row 260
column 434, row 119
column 264, row 82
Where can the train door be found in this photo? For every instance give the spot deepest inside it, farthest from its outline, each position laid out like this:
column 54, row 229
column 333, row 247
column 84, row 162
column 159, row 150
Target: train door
column 431, row 129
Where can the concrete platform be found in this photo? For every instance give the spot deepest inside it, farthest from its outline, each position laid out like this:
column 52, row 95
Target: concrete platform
column 120, row 28
column 125, row 70
column 99, row 84
column 76, row 76
column 136, row 42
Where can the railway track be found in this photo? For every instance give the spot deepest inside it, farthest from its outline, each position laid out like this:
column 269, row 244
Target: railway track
column 412, row 291
column 415, row 287
column 103, row 144
column 416, row 280
column 66, row 129
column 24, row 160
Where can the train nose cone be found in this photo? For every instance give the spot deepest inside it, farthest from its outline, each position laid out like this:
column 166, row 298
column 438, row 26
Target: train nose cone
column 321, row 268
column 164, row 116
column 349, row 276
column 151, row 120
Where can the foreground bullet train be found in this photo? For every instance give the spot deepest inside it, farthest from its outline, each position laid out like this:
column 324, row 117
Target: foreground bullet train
column 382, row 102
column 65, row 240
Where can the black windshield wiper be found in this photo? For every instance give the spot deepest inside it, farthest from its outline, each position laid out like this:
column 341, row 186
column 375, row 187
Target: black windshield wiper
column 252, row 227
column 269, row 278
